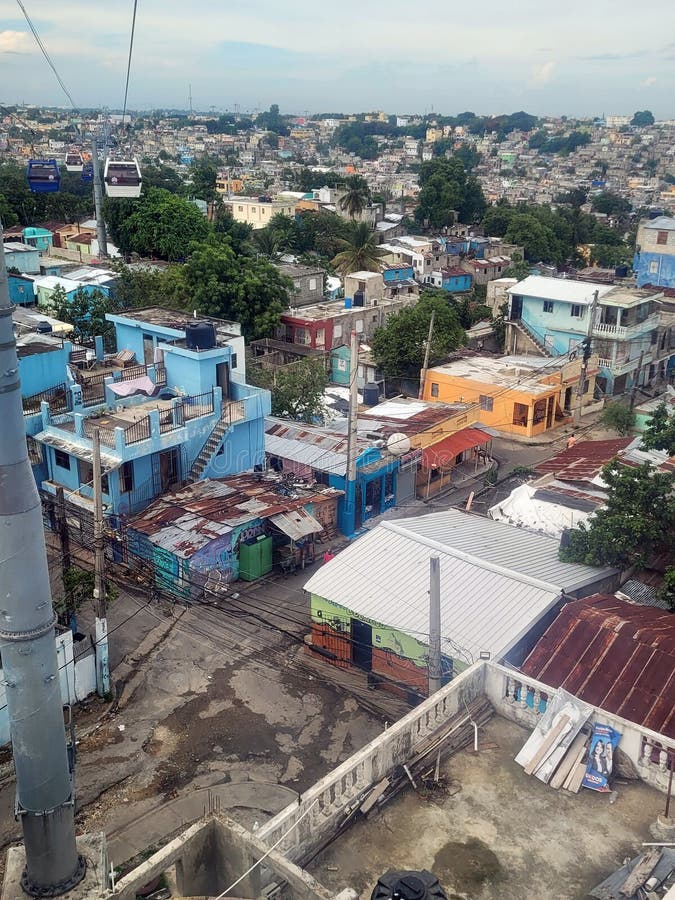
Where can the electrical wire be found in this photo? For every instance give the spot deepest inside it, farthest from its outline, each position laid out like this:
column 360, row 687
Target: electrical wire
column 131, row 50
column 46, row 55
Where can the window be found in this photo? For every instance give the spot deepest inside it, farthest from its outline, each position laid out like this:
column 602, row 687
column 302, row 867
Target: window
column 312, row 284
column 548, row 306
column 434, row 389
column 520, row 411
column 486, row 403
column 241, row 209
column 34, row 451
column 86, row 472
column 654, row 268
column 61, row 459
column 126, row 477
column 577, row 311
column 233, row 361
column 661, row 237
column 358, row 327
column 337, row 331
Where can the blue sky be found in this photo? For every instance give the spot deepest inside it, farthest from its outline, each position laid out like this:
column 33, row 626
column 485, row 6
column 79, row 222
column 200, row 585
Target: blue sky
column 574, row 58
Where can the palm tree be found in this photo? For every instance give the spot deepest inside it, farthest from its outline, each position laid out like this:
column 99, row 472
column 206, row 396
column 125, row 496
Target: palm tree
column 359, row 252
column 355, row 199
column 267, row 243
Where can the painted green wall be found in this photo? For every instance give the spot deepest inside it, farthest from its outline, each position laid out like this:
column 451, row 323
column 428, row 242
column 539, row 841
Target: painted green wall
column 384, row 637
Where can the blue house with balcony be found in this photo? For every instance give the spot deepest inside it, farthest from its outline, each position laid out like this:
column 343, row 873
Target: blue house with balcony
column 654, row 261
column 171, row 406
column 552, row 316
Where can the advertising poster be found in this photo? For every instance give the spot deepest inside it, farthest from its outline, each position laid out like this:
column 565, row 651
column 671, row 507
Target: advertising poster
column 600, row 758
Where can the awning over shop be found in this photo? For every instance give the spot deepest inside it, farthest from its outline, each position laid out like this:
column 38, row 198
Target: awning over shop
column 445, row 451
column 296, row 524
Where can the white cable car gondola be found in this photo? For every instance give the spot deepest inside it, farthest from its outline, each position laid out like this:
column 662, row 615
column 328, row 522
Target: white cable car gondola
column 74, row 161
column 122, row 177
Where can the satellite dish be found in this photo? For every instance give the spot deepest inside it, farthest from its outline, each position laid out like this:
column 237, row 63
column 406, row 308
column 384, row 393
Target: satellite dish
column 398, row 444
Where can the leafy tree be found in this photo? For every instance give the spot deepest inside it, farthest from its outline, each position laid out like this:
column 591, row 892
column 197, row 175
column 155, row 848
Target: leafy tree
column 203, row 174
column 8, row 216
column 642, row 117
column 538, row 239
column 619, row 417
column 354, row 201
column 248, row 290
column 660, row 432
column 267, row 243
column 518, row 269
column 359, row 252
column 667, row 589
column 636, row 523
column 161, row 224
column 610, row 256
column 272, row 121
column 237, row 233
column 162, row 176
column 399, row 345
column 297, row 389
column 85, row 312
column 610, row 204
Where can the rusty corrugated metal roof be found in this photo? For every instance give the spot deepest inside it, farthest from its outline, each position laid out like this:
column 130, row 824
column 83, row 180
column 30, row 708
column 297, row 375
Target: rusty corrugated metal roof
column 616, row 655
column 584, row 461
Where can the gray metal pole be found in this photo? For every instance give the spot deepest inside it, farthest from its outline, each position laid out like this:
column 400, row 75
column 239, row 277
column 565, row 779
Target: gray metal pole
column 101, row 235
column 434, row 624
column 102, row 663
column 44, row 790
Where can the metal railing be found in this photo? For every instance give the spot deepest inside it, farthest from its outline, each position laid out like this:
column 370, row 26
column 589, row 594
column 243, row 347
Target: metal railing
column 198, row 405
column 106, row 433
column 58, row 397
column 171, row 419
column 138, row 431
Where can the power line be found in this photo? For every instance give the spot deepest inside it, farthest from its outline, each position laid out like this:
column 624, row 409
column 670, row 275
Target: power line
column 46, row 55
column 131, row 50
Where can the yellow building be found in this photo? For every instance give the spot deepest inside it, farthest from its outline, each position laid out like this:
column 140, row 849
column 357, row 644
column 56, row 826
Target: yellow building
column 520, row 396
column 226, row 185
column 258, row 211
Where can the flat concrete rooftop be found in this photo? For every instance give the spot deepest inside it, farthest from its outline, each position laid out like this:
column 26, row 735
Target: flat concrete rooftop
column 496, row 832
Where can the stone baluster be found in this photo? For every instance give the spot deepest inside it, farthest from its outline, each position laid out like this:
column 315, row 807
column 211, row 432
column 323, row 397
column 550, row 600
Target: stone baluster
column 536, row 700
column 646, row 758
column 522, row 701
column 663, row 760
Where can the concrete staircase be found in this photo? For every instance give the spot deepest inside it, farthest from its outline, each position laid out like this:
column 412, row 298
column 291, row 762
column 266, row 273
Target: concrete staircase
column 212, row 443
column 538, row 345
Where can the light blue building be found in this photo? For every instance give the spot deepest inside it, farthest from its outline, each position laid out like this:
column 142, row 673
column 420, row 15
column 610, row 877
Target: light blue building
column 454, row 280
column 178, row 411
column 40, row 238
column 552, row 316
column 654, row 261
column 21, row 290
column 21, row 257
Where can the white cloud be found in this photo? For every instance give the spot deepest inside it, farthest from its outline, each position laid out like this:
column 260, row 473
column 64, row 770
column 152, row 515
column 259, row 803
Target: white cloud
column 542, row 74
column 649, row 82
column 14, row 42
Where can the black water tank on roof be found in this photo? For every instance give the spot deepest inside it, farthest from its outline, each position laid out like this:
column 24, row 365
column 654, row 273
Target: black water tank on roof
column 408, row 886
column 621, row 272
column 359, row 298
column 200, row 335
column 371, row 394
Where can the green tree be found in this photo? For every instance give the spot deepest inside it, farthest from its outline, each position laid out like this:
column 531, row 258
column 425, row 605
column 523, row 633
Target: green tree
column 297, row 389
column 85, row 311
column 354, row 201
column 399, row 345
column 8, row 216
column 611, row 204
column 518, row 269
column 660, row 431
column 667, row 589
column 635, row 525
column 643, row 117
column 359, row 252
column 619, row 417
column 161, row 224
column 267, row 243
column 539, row 241
column 248, row 290
column 203, row 174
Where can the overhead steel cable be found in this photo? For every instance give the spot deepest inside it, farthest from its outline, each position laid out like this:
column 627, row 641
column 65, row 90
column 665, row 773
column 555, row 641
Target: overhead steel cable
column 131, row 50
column 46, row 55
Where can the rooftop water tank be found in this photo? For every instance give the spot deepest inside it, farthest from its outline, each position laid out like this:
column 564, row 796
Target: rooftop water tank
column 408, row 886
column 371, row 394
column 621, row 272
column 200, row 336
column 348, row 302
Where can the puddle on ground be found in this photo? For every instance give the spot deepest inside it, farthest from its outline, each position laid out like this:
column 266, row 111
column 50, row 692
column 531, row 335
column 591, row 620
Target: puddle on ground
column 467, row 865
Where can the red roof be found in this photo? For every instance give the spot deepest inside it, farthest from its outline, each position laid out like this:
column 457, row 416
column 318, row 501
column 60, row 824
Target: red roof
column 583, row 461
column 445, row 451
column 615, row 655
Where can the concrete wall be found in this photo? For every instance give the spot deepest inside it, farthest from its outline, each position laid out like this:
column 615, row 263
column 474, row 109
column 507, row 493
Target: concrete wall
column 39, row 371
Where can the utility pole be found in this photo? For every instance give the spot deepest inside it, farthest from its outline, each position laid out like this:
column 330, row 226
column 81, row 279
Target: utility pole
column 101, row 235
column 45, row 801
column 427, row 351
column 636, row 380
column 587, row 345
column 102, row 665
column 434, row 624
column 352, row 430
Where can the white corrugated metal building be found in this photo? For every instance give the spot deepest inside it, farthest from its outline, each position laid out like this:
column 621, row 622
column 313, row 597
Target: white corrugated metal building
column 500, row 586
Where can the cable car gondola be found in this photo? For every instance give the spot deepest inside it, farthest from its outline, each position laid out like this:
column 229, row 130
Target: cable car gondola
column 88, row 173
column 74, row 161
column 43, row 176
column 122, row 178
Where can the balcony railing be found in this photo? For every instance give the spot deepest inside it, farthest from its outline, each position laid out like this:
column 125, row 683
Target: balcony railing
column 198, row 405
column 58, row 397
column 106, row 434
column 625, row 332
column 137, row 432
